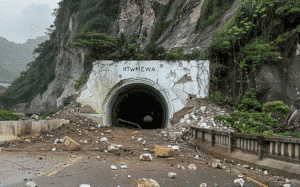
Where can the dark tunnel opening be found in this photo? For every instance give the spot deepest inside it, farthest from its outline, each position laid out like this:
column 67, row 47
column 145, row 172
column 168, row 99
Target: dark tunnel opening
column 134, row 103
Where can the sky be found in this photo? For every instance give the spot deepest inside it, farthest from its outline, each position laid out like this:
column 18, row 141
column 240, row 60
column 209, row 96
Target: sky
column 25, row 19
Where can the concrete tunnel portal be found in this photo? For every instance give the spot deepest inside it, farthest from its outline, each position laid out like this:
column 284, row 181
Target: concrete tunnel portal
column 131, row 103
column 128, row 92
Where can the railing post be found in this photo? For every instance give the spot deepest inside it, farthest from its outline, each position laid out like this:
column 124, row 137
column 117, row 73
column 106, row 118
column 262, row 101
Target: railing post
column 202, row 136
column 196, row 133
column 261, row 141
column 212, row 135
column 229, row 142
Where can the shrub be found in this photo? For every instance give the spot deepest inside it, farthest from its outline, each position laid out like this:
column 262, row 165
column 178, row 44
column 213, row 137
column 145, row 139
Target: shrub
column 8, row 115
column 78, row 83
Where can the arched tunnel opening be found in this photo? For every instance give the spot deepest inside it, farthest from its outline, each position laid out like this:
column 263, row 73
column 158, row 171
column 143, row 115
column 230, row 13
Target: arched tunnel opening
column 132, row 105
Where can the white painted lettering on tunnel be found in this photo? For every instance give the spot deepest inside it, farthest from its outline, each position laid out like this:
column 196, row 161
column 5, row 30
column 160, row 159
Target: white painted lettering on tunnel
column 142, row 69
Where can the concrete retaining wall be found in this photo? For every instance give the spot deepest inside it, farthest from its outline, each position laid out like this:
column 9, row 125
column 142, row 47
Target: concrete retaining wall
column 20, row 127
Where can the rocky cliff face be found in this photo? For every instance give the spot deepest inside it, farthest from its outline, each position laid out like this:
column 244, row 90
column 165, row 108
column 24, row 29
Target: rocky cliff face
column 138, row 17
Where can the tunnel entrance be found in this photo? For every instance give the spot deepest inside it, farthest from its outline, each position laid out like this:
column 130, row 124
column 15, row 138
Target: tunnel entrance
column 134, row 102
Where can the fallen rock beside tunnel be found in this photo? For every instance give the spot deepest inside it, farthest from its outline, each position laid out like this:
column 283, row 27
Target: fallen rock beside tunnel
column 163, row 151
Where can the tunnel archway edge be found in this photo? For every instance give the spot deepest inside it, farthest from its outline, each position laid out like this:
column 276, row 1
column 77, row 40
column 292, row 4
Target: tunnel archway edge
column 164, row 96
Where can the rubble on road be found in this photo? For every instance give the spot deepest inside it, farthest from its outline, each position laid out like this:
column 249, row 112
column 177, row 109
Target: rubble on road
column 146, row 157
column 146, row 182
column 172, row 175
column 163, row 151
column 239, row 182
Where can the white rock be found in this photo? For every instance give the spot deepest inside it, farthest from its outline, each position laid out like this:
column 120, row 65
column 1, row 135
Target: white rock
column 238, row 164
column 31, row 184
column 216, row 165
column 146, row 157
column 180, row 167
column 108, row 131
column 203, row 185
column 203, row 108
column 172, row 175
column 192, row 166
column 246, row 166
column 140, row 139
column 187, row 116
column 132, row 137
column 144, row 142
column 145, row 149
column 27, row 140
column 182, row 120
column 175, row 147
column 85, row 185
column 97, row 141
column 129, row 176
column 146, row 182
column 103, row 139
column 85, row 141
column 113, row 167
column 98, row 156
column 266, row 172
column 197, row 157
column 169, row 146
column 105, row 151
column 123, row 166
column 286, row 185
column 114, row 147
column 80, row 141
column 54, row 149
column 239, row 182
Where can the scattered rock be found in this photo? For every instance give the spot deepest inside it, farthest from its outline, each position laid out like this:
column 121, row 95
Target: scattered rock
column 197, row 157
column 92, row 129
column 246, row 166
column 172, row 175
column 103, row 139
column 140, row 139
column 123, row 166
column 31, row 184
column 108, row 131
column 163, row 151
column 192, row 166
column 239, row 182
column 146, row 182
column 114, row 147
column 203, row 185
column 113, row 167
column 54, row 149
column 85, row 185
column 180, row 167
column 146, row 157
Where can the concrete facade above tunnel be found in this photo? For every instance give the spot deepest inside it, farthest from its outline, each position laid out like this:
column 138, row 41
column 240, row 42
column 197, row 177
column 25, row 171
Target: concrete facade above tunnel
column 168, row 83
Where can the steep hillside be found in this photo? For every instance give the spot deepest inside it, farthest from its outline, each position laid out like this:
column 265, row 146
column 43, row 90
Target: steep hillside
column 241, row 51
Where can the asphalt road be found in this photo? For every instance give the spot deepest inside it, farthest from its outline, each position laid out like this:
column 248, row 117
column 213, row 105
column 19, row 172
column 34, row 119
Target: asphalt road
column 64, row 170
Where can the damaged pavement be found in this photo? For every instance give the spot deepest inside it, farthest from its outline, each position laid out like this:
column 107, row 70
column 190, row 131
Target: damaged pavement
column 85, row 153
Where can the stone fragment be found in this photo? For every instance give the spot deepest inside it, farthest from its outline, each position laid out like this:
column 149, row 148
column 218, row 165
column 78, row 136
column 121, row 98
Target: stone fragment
column 180, row 167
column 286, row 185
column 27, row 140
column 175, row 147
column 163, row 151
column 146, row 183
column 144, row 142
column 192, row 166
column 216, row 165
column 113, row 167
column 246, row 166
column 172, row 175
column 108, row 131
column 114, row 147
column 197, row 157
column 146, row 157
column 92, row 129
column 54, row 149
column 85, row 185
column 31, row 184
column 103, row 139
column 123, row 166
column 266, row 172
column 140, row 139
column 239, row 182
column 145, row 149
column 71, row 143
column 203, row 185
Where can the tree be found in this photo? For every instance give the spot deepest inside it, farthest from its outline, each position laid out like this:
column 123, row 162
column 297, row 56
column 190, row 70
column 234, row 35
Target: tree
column 99, row 44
